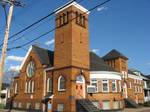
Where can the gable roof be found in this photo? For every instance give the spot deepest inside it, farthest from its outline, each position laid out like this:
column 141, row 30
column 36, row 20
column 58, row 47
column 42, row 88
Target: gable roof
column 131, row 72
column 98, row 64
column 113, row 54
column 147, row 76
column 46, row 56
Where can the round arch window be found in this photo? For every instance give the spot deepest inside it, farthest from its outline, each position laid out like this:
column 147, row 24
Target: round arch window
column 80, row 78
column 30, row 69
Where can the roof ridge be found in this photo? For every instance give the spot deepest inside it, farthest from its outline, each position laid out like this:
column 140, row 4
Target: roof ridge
column 41, row 48
column 114, row 54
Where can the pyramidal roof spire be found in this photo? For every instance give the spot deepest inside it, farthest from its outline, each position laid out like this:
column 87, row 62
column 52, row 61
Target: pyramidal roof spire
column 69, row 4
column 114, row 54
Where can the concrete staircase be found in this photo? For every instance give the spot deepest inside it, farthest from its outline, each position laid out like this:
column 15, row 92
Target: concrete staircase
column 85, row 105
column 130, row 103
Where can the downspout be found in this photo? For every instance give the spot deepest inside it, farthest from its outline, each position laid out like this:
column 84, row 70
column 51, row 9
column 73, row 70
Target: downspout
column 44, row 89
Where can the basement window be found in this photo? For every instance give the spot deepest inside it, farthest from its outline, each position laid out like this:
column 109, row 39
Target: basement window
column 60, row 107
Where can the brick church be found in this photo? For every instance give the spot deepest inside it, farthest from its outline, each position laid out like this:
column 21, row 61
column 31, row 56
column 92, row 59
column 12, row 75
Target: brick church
column 70, row 78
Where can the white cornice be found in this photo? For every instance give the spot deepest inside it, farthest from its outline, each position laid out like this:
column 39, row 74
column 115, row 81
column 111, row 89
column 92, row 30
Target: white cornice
column 50, row 68
column 105, row 75
column 71, row 4
column 134, row 77
column 24, row 60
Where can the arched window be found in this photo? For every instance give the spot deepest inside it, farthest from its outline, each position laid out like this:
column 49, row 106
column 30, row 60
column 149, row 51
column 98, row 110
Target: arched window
column 64, row 18
column 26, row 87
column 80, row 79
column 32, row 90
column 61, row 84
column 16, row 88
column 77, row 18
column 49, row 85
column 29, row 86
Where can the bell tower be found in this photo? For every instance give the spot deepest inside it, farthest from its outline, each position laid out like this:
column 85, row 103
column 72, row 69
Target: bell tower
column 71, row 37
column 71, row 57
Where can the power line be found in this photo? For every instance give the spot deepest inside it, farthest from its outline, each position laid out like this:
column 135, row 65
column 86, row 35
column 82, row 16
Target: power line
column 33, row 24
column 37, row 27
column 31, row 30
column 17, row 47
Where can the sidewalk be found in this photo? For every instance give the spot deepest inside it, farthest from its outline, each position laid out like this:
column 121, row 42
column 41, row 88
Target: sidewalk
column 142, row 109
column 5, row 110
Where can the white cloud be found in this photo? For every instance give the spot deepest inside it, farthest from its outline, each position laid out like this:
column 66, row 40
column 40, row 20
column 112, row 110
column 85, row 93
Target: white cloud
column 148, row 63
column 14, row 68
column 95, row 51
column 15, row 58
column 48, row 43
column 101, row 8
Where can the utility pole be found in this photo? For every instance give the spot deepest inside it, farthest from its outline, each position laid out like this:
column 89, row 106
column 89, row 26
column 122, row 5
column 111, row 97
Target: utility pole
column 12, row 3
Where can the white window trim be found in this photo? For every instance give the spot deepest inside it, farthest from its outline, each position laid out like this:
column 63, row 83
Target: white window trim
column 59, row 108
column 59, row 84
column 115, row 86
column 130, row 85
column 29, row 86
column 120, row 88
column 48, row 85
column 26, row 87
column 135, row 89
column 16, row 88
column 95, row 81
column 32, row 91
column 134, row 80
column 106, row 81
column 141, row 89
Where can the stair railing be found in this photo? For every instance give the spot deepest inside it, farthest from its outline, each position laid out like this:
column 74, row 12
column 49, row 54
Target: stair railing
column 91, row 100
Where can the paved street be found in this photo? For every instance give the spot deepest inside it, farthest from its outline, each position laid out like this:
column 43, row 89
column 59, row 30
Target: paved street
column 143, row 109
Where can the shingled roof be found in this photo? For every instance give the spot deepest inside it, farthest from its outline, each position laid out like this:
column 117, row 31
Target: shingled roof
column 46, row 56
column 113, row 54
column 131, row 72
column 98, row 64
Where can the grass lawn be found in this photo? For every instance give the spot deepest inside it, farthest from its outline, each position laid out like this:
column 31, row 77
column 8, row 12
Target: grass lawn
column 1, row 106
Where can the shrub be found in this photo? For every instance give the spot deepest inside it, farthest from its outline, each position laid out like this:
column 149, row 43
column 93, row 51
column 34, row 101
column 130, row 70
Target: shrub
column 1, row 106
column 147, row 104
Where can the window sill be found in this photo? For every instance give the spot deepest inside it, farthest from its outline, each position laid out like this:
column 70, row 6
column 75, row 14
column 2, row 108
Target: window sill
column 105, row 92
column 62, row 90
column 49, row 91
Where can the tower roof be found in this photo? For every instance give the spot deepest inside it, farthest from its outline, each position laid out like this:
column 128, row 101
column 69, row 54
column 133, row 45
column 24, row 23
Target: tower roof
column 113, row 54
column 71, row 4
